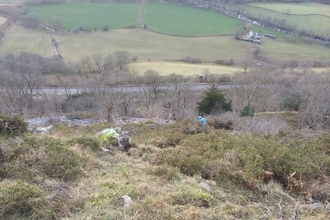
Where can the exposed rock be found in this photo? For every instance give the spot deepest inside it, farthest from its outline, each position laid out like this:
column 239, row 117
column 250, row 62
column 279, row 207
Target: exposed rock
column 127, row 200
column 124, row 140
column 42, row 130
column 206, row 186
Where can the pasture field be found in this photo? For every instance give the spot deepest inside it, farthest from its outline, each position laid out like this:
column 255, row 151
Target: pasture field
column 19, row 39
column 186, row 69
column 184, row 20
column 282, row 50
column 2, row 20
column 148, row 45
column 115, row 15
column 301, row 8
column 316, row 22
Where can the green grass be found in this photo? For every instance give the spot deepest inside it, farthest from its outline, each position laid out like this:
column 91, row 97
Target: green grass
column 19, row 39
column 115, row 15
column 164, row 17
column 148, row 45
column 165, row 68
column 281, row 50
column 308, row 16
column 302, row 8
column 180, row 19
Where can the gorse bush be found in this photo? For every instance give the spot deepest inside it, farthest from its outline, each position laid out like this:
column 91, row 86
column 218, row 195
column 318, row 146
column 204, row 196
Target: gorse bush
column 43, row 157
column 12, row 125
column 218, row 152
column 22, row 199
column 87, row 143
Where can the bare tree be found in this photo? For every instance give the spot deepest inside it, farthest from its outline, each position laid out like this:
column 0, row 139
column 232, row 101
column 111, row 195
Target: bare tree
column 152, row 82
column 55, row 23
column 86, row 65
column 245, row 63
column 64, row 84
column 98, row 61
column 21, row 78
column 317, row 106
column 30, row 20
column 108, row 103
column 108, row 63
column 181, row 96
column 125, row 99
column 121, row 58
column 249, row 92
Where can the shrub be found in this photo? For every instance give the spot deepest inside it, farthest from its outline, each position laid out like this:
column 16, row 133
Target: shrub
column 87, row 142
column 213, row 101
column 22, row 199
column 244, row 160
column 292, row 102
column 165, row 172
column 247, row 111
column 40, row 157
column 12, row 125
column 105, row 28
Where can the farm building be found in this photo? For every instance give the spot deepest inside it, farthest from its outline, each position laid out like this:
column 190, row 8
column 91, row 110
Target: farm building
column 254, row 37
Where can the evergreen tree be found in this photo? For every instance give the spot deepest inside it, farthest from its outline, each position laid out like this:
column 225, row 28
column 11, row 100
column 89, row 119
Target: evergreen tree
column 213, row 101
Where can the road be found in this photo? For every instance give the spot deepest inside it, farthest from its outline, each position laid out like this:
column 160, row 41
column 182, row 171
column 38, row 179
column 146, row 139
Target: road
column 71, row 91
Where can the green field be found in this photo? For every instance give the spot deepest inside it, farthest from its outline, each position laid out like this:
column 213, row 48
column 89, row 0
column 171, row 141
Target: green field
column 301, row 8
column 164, row 17
column 311, row 16
column 282, row 50
column 138, row 42
column 180, row 19
column 19, row 39
column 115, row 14
column 148, row 45
column 166, row 68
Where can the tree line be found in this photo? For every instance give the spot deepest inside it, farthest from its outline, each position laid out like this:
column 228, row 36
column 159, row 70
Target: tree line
column 286, row 86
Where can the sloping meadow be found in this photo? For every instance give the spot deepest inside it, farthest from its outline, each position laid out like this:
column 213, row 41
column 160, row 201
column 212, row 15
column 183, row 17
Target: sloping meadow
column 250, row 175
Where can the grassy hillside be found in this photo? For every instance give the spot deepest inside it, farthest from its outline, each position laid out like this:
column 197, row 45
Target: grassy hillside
column 309, row 15
column 115, row 14
column 301, row 8
column 180, row 19
column 66, row 175
column 186, row 69
column 281, row 50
